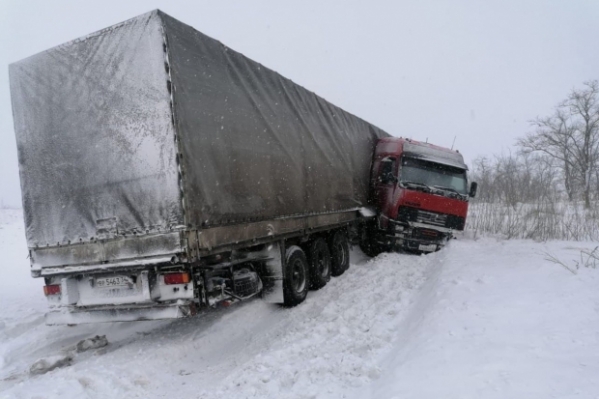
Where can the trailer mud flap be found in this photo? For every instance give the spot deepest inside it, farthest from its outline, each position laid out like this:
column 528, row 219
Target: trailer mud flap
column 272, row 277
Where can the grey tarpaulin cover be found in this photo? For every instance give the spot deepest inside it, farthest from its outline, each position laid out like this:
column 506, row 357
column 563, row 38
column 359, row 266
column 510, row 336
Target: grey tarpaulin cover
column 151, row 126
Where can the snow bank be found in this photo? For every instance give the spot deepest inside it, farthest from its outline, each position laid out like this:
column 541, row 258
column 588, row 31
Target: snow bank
column 498, row 321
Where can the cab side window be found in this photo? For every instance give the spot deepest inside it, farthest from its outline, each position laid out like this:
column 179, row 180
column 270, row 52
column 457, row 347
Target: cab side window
column 387, row 171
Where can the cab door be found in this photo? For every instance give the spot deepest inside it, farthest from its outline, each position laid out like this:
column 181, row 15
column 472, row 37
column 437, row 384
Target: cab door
column 384, row 187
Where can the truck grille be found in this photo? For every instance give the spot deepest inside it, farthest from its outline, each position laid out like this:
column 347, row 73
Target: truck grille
column 436, row 219
column 409, row 214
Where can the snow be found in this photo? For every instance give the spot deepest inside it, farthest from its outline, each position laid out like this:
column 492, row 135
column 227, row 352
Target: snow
column 50, row 363
column 482, row 318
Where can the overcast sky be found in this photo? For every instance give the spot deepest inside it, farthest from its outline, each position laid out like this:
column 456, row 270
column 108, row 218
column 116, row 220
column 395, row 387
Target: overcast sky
column 478, row 70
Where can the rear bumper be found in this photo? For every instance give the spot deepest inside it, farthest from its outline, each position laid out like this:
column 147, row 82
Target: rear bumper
column 129, row 313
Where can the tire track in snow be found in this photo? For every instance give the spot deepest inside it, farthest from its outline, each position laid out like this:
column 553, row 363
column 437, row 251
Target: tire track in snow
column 332, row 342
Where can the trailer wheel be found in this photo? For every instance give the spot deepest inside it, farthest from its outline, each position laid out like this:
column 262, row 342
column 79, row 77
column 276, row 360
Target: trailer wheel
column 296, row 280
column 319, row 258
column 339, row 253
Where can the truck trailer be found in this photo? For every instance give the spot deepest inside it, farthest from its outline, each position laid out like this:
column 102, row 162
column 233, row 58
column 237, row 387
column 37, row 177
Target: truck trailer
column 163, row 172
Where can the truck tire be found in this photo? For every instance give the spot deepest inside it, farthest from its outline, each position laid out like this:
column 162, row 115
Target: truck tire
column 319, row 258
column 296, row 281
column 368, row 242
column 339, row 245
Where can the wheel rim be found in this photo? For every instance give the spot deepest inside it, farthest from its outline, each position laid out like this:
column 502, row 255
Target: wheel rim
column 340, row 252
column 322, row 264
column 298, row 276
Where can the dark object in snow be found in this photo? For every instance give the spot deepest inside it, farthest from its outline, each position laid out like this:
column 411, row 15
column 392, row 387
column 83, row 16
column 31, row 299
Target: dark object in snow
column 42, row 366
column 99, row 341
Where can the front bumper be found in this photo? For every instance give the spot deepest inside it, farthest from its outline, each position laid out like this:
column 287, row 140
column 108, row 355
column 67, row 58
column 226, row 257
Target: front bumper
column 175, row 310
column 414, row 236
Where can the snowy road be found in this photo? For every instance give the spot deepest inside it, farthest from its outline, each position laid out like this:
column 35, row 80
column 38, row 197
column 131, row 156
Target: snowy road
column 480, row 319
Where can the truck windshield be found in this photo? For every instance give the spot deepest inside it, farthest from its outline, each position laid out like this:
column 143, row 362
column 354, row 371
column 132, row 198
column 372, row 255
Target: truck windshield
column 433, row 175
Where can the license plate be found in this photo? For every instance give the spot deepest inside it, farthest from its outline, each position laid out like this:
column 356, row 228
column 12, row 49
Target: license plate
column 427, row 248
column 114, row 281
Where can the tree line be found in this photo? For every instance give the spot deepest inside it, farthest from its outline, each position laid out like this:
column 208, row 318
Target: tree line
column 558, row 159
column 548, row 187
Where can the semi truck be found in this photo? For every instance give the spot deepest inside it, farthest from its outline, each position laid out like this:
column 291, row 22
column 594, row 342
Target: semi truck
column 163, row 173
column 420, row 192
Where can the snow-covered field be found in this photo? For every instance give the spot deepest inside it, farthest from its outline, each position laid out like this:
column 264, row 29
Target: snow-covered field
column 480, row 319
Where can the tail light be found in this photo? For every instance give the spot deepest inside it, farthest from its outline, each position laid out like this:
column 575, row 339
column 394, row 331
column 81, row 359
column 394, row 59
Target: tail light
column 176, row 278
column 51, row 289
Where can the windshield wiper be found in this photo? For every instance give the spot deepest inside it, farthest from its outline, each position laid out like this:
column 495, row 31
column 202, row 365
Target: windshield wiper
column 416, row 184
column 453, row 190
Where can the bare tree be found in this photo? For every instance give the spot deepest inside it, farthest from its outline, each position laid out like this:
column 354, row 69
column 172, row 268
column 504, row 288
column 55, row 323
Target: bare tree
column 483, row 174
column 571, row 136
column 514, row 179
column 554, row 136
column 521, row 194
column 584, row 105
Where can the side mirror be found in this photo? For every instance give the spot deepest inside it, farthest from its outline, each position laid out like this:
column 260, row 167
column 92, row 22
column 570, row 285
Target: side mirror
column 473, row 189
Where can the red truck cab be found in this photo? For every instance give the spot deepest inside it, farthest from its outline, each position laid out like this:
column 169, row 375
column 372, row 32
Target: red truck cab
column 421, row 195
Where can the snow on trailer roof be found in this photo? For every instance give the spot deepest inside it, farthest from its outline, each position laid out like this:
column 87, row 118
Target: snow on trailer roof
column 433, row 153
